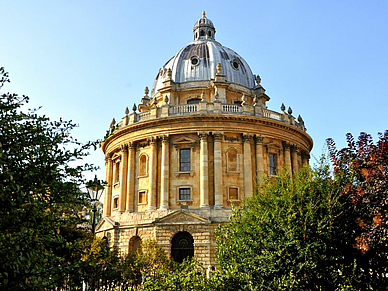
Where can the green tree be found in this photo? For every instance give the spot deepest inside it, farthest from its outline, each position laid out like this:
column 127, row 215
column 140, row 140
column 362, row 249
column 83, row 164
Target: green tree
column 362, row 167
column 39, row 196
column 287, row 237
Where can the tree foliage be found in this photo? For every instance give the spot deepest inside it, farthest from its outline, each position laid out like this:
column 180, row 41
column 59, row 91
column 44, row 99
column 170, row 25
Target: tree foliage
column 39, row 196
column 363, row 169
column 287, row 237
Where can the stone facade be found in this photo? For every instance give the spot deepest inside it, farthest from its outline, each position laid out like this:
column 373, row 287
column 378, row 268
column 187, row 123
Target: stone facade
column 191, row 149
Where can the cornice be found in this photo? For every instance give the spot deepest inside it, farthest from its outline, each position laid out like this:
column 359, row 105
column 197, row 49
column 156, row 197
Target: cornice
column 171, row 121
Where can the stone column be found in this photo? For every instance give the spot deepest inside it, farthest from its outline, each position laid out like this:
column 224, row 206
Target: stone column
column 305, row 158
column 259, row 158
column 287, row 156
column 294, row 153
column 165, row 174
column 218, row 187
column 123, row 177
column 152, row 175
column 248, row 189
column 108, row 186
column 204, row 171
column 131, row 177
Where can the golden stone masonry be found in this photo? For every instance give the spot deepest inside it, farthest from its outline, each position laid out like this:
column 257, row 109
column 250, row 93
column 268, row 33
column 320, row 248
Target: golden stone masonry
column 199, row 140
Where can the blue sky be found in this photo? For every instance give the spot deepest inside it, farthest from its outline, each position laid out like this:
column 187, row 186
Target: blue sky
column 88, row 60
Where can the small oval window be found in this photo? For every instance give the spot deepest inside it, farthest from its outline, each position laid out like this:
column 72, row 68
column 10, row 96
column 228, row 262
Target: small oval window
column 194, row 61
column 235, row 64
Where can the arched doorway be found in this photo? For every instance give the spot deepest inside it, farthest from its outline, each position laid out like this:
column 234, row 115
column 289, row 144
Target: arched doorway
column 182, row 246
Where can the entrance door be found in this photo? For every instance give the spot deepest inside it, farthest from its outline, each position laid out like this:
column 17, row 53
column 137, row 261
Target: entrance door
column 182, row 246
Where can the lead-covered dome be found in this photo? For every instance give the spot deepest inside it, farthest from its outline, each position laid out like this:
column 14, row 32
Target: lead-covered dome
column 198, row 61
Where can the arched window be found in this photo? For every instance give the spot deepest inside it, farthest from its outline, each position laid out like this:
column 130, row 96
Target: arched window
column 182, row 246
column 209, row 34
column 143, row 165
column 231, row 161
column 201, row 33
column 134, row 245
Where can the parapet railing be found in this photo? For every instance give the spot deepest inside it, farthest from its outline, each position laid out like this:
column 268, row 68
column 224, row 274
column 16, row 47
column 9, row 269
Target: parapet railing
column 167, row 110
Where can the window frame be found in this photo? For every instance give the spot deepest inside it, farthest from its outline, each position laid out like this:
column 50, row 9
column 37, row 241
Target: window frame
column 141, row 174
column 275, row 167
column 237, row 160
column 181, row 187
column 181, row 162
column 238, row 193
column 145, row 197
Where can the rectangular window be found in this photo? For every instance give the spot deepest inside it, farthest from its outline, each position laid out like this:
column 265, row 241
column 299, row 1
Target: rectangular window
column 184, row 193
column 115, row 203
column 232, row 193
column 142, row 197
column 273, row 164
column 184, row 162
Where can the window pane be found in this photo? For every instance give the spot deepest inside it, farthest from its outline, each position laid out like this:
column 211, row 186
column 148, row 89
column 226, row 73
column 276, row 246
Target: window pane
column 142, row 197
column 272, row 164
column 184, row 160
column 184, row 193
column 233, row 193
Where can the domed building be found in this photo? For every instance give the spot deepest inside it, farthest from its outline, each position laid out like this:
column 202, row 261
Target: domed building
column 196, row 145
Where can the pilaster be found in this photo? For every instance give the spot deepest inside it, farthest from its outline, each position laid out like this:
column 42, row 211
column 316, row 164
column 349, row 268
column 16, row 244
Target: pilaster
column 248, row 189
column 108, row 186
column 287, row 156
column 165, row 174
column 123, row 177
column 152, row 174
column 204, row 170
column 218, row 187
column 131, row 177
column 259, row 157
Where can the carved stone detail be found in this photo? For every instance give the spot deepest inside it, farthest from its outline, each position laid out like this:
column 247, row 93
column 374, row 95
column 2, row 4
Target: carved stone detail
column 259, row 139
column 246, row 137
column 231, row 138
column 217, row 136
column 203, row 135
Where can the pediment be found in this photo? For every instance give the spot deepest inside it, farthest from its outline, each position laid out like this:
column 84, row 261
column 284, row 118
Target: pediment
column 184, row 140
column 181, row 217
column 105, row 224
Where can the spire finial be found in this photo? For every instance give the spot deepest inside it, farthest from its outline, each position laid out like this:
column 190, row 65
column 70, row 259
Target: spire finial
column 203, row 13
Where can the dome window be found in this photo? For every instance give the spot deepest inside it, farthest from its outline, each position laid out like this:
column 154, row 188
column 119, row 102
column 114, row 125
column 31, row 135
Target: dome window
column 201, row 33
column 235, row 64
column 209, row 34
column 194, row 61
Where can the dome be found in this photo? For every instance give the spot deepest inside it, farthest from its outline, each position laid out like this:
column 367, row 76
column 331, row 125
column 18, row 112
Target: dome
column 198, row 60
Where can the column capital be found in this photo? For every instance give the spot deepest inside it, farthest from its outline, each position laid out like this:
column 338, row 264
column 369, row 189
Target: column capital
column 203, row 135
column 165, row 138
column 305, row 155
column 131, row 145
column 294, row 148
column 108, row 157
column 246, row 137
column 218, row 136
column 259, row 139
column 124, row 147
column 152, row 140
column 286, row 145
